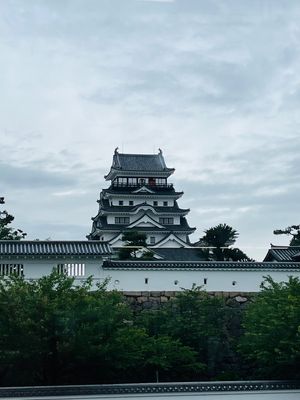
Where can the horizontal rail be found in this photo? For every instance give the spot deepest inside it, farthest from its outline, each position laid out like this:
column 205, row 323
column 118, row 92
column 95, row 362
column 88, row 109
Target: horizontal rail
column 159, row 388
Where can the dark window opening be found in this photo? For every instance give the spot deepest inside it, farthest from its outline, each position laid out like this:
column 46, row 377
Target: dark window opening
column 166, row 221
column 121, row 220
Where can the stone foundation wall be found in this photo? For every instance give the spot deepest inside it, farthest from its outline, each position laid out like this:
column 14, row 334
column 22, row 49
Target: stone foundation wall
column 154, row 300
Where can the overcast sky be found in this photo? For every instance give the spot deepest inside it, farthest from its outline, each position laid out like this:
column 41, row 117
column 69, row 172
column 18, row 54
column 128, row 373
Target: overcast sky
column 215, row 84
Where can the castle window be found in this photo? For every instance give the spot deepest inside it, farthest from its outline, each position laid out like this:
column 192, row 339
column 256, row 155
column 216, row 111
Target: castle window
column 132, row 181
column 146, row 281
column 121, row 220
column 176, row 282
column 165, row 203
column 155, row 203
column 71, row 269
column 161, row 181
column 131, row 202
column 121, row 202
column 12, row 269
column 166, row 221
column 122, row 181
column 234, row 283
column 205, row 281
column 152, row 239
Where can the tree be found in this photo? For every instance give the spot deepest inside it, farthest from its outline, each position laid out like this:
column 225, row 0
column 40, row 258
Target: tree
column 53, row 331
column 293, row 230
column 198, row 321
column 135, row 243
column 271, row 340
column 7, row 232
column 219, row 238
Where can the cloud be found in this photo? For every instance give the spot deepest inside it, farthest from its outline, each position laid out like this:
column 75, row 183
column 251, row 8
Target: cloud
column 214, row 84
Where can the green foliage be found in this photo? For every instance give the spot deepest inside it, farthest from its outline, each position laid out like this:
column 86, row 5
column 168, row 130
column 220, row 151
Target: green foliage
column 219, row 238
column 7, row 232
column 199, row 321
column 272, row 330
column 294, row 231
column 55, row 332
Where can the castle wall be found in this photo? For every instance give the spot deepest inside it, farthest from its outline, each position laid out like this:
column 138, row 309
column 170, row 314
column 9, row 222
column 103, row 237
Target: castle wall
column 155, row 280
column 176, row 280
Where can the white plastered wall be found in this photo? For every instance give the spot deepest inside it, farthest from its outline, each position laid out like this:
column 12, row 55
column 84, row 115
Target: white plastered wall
column 157, row 280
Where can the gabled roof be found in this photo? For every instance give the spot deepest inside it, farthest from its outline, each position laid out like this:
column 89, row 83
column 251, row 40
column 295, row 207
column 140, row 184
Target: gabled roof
column 173, row 238
column 138, row 163
column 53, row 248
column 201, row 265
column 283, row 253
column 107, row 208
column 162, row 191
column 102, row 225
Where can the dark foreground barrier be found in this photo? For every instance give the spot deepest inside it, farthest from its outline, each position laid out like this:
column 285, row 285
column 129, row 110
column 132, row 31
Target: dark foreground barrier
column 141, row 388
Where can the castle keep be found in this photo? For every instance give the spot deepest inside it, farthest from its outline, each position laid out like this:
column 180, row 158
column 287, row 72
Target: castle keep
column 140, row 198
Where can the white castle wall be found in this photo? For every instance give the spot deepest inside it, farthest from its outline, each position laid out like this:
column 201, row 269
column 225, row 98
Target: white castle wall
column 159, row 280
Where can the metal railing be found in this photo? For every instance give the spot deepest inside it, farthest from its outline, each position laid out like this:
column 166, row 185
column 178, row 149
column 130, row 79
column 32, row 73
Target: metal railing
column 149, row 388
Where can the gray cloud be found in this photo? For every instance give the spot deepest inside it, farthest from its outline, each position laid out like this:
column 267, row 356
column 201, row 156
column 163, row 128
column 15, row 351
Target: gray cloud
column 215, row 84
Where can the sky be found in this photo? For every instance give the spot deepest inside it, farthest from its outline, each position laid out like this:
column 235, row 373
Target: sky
column 214, row 84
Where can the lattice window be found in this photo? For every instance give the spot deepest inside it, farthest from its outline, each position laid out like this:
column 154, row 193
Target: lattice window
column 12, row 269
column 71, row 269
column 166, row 221
column 121, row 220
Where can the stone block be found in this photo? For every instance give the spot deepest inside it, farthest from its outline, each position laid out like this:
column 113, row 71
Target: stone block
column 146, row 294
column 164, row 299
column 241, row 299
column 155, row 294
column 132, row 294
column 169, row 294
column 233, row 294
column 154, row 299
column 142, row 299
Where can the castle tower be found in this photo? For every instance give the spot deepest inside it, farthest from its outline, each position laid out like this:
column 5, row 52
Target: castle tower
column 140, row 198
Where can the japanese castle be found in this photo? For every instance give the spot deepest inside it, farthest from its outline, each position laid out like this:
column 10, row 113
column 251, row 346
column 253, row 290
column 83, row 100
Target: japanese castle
column 140, row 198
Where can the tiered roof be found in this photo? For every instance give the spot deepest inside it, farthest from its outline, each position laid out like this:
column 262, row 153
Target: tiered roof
column 138, row 163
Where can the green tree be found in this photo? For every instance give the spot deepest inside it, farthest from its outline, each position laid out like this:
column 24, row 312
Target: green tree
column 53, row 331
column 218, row 239
column 7, row 232
column 134, row 242
column 271, row 340
column 293, row 230
column 199, row 321
column 170, row 360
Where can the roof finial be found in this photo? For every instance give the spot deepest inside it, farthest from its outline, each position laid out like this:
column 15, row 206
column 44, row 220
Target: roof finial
column 160, row 151
column 116, row 150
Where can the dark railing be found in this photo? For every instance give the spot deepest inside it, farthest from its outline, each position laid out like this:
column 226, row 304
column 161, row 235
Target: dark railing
column 149, row 388
column 149, row 185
